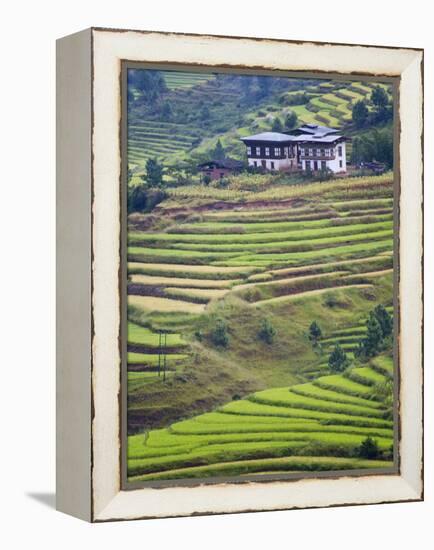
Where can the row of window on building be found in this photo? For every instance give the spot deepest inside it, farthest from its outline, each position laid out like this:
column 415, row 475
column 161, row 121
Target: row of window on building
column 309, row 165
column 289, row 152
column 310, row 152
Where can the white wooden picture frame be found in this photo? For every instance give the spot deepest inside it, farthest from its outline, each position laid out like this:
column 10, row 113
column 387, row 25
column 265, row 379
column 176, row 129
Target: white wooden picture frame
column 88, row 274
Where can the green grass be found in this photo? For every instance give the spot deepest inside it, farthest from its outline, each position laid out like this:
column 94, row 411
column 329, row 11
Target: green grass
column 285, row 398
column 151, row 360
column 348, row 338
column 139, row 380
column 292, row 243
column 252, row 408
column 270, row 232
column 294, row 258
column 181, row 79
column 291, row 464
column 336, row 382
column 366, row 375
column 240, row 232
column 144, row 336
column 183, row 282
column 383, row 364
column 281, row 423
column 310, row 390
column 164, row 254
column 190, row 271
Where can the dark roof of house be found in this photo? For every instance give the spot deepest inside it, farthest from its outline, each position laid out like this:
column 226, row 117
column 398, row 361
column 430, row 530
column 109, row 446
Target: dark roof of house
column 228, row 163
column 316, row 130
column 319, row 139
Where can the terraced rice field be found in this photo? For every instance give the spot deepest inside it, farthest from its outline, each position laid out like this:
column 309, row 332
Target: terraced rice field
column 151, row 139
column 270, row 262
column 293, row 429
column 231, row 251
column 333, row 106
column 182, row 79
column 262, row 257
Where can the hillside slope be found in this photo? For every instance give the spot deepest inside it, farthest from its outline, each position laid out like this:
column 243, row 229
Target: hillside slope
column 313, row 258
column 197, row 109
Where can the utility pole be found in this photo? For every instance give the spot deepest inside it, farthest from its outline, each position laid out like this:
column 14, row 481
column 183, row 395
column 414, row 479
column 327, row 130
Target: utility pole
column 164, row 359
column 159, row 353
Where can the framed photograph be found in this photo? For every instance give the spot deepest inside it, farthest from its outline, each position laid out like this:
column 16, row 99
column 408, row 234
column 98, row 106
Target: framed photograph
column 239, row 266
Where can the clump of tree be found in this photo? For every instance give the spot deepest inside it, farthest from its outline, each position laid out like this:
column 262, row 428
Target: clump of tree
column 277, row 125
column 148, row 84
column 291, row 121
column 382, row 106
column 381, row 110
column 219, row 334
column 375, row 145
column 267, row 331
column 379, row 327
column 246, row 85
column 360, row 113
column 145, row 196
column 154, row 172
column 218, row 152
column 315, row 333
column 369, row 448
column 264, row 83
column 166, row 112
column 294, row 98
column 338, row 360
column 204, row 115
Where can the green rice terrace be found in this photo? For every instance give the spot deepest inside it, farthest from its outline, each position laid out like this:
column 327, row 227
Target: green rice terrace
column 223, row 286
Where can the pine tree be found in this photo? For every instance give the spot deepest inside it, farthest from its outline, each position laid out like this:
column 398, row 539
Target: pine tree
column 219, row 152
column 369, row 448
column 264, row 83
column 315, row 332
column 267, row 331
column 166, row 112
column 277, row 125
column 338, row 360
column 360, row 113
column 385, row 320
column 379, row 97
column 374, row 336
column 154, row 172
column 219, row 335
column 291, row 121
column 205, row 113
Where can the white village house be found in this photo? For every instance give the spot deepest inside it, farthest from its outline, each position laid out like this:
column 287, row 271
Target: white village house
column 310, row 147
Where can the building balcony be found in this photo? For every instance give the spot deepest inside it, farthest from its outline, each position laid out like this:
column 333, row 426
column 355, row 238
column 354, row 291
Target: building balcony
column 316, row 157
column 270, row 157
